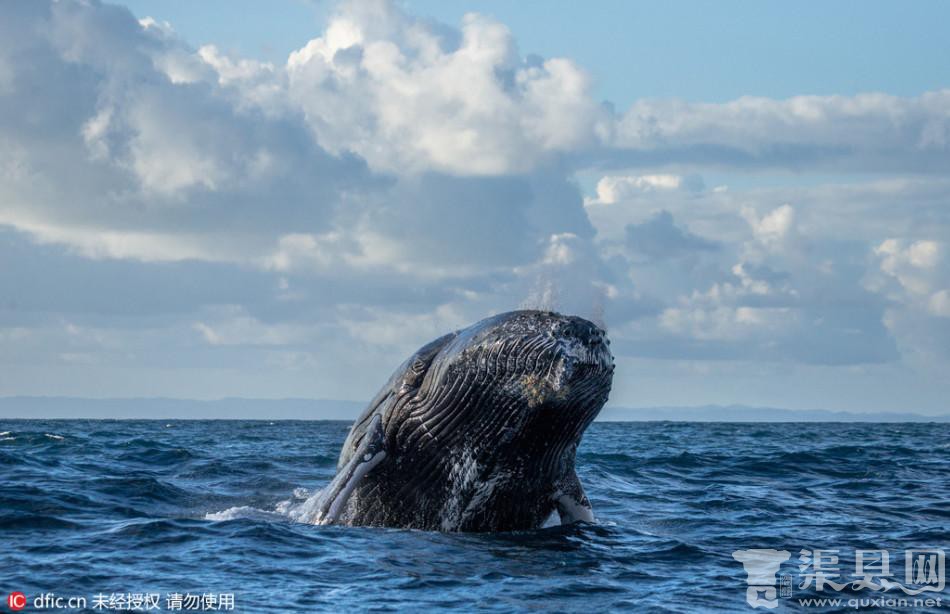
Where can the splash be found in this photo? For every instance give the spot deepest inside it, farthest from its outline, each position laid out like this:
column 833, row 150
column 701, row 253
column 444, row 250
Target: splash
column 543, row 295
column 293, row 509
column 243, row 512
column 568, row 292
column 304, row 507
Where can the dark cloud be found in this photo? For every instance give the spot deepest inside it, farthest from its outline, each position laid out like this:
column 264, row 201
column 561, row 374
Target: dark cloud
column 659, row 237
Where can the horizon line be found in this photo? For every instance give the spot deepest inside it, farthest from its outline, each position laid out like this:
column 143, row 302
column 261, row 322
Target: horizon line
column 348, row 409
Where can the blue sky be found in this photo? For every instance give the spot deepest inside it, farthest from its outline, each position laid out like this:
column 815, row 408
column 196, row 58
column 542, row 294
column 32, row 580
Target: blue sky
column 687, row 50
column 227, row 198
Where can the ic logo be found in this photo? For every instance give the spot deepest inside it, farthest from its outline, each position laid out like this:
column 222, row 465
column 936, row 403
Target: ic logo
column 16, row 601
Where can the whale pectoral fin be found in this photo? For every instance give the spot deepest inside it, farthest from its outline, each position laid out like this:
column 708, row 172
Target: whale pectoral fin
column 333, row 499
column 572, row 503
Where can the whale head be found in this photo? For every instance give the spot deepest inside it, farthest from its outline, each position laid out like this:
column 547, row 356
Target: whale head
column 532, row 380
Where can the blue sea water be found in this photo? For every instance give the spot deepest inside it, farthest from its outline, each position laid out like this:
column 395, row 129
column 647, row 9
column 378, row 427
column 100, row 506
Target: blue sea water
column 115, row 507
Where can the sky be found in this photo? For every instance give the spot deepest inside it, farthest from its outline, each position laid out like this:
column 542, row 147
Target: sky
column 213, row 198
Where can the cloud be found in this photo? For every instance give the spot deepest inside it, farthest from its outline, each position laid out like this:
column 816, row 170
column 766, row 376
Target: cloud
column 397, row 177
column 914, row 276
column 864, row 133
column 612, row 189
column 174, row 154
column 119, row 159
column 772, row 228
column 660, row 238
column 234, row 326
column 410, row 97
column 922, row 271
column 774, row 293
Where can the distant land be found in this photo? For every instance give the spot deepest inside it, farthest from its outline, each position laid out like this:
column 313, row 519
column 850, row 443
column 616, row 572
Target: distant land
column 324, row 409
column 744, row 413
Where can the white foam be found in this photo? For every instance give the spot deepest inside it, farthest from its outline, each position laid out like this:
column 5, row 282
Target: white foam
column 6, row 433
column 287, row 506
column 7, row 438
column 303, row 507
column 56, row 437
column 243, row 511
column 295, row 510
column 290, row 509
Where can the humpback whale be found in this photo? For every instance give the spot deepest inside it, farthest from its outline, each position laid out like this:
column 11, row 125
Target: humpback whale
column 477, row 430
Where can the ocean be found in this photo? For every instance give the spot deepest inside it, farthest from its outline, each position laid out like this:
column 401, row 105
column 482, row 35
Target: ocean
column 198, row 515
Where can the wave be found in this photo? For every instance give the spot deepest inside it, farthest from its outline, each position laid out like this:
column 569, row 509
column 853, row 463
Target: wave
column 32, row 521
column 223, row 506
